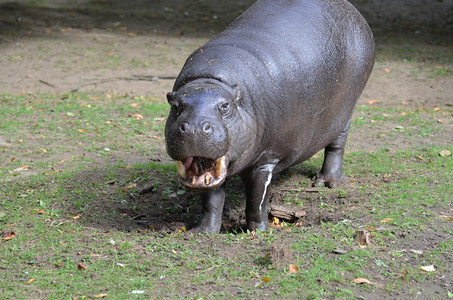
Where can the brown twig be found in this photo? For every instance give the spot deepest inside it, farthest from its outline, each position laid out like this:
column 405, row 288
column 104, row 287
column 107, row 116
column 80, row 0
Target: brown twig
column 46, row 83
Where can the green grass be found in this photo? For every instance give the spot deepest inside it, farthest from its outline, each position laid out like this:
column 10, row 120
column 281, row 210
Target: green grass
column 419, row 123
column 79, row 212
column 91, row 122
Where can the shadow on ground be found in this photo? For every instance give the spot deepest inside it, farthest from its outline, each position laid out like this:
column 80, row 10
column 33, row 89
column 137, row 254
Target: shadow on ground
column 150, row 198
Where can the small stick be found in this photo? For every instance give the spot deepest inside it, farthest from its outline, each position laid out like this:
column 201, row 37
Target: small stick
column 46, row 83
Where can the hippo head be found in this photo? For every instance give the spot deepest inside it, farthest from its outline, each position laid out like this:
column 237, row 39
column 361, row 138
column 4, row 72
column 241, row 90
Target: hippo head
column 197, row 132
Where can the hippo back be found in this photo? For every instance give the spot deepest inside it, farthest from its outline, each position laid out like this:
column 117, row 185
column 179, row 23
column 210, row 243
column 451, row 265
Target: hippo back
column 294, row 61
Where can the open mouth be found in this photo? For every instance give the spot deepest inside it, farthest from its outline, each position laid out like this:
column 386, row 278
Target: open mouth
column 201, row 173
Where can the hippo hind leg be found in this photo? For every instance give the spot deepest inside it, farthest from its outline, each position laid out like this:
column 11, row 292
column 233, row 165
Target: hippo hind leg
column 331, row 174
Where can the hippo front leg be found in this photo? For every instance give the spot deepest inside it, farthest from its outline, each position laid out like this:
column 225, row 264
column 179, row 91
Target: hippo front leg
column 211, row 215
column 257, row 196
column 331, row 174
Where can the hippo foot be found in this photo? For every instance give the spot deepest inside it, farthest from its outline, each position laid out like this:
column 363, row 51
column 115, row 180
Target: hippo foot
column 329, row 180
column 196, row 230
column 261, row 226
column 200, row 229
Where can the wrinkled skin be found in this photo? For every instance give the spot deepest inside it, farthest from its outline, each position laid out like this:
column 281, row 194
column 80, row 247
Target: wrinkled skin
column 277, row 86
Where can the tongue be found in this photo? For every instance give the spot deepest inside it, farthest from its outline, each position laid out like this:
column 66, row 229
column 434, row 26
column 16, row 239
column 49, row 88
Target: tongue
column 187, row 162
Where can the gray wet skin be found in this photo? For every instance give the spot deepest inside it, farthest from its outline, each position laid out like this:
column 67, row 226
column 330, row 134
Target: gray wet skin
column 277, row 86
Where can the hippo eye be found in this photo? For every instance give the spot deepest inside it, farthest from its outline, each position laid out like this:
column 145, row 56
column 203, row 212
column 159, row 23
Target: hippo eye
column 224, row 108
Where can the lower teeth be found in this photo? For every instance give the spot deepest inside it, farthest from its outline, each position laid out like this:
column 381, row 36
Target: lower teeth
column 219, row 167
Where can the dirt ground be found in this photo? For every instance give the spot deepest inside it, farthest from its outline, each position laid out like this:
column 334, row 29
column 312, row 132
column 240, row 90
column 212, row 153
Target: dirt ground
column 137, row 48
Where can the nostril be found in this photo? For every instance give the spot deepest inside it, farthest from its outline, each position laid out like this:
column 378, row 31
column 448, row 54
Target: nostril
column 207, row 127
column 183, row 127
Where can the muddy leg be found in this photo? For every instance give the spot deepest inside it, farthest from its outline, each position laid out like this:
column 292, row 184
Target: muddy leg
column 331, row 174
column 257, row 191
column 211, row 215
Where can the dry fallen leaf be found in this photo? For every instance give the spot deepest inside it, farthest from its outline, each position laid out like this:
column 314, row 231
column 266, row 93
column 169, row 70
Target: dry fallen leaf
column 9, row 236
column 266, row 279
column 81, row 130
column 22, row 168
column 446, row 218
column 275, row 222
column 30, row 281
column 386, row 220
column 387, row 70
column 428, row 268
column 76, row 217
column 444, row 153
column 81, row 267
column 101, row 296
column 129, row 186
column 182, row 229
column 361, row 281
column 442, row 121
column 403, row 274
column 136, row 116
column 52, row 172
column 293, row 269
column 374, row 101
column 419, row 157
column 40, row 211
column 160, row 120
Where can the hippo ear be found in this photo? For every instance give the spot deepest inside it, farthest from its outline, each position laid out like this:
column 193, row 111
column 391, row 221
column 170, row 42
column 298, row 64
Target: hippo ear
column 171, row 97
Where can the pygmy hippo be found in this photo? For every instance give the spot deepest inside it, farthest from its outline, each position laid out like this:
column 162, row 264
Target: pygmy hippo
column 277, row 86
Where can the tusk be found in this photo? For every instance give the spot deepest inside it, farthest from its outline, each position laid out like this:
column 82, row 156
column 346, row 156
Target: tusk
column 220, row 166
column 181, row 169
